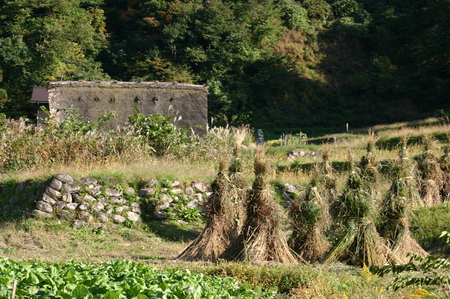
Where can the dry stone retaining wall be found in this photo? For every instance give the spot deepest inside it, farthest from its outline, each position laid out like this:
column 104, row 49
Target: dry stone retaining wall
column 99, row 202
column 89, row 202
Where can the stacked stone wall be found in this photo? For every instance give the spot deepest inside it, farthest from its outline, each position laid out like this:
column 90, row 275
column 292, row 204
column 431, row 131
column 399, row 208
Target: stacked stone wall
column 92, row 202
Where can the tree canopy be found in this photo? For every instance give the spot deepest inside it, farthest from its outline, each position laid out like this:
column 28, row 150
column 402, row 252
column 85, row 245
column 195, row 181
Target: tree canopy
column 279, row 65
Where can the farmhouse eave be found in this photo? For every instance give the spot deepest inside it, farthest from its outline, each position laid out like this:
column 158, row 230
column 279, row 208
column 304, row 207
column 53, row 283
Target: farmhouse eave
column 166, row 85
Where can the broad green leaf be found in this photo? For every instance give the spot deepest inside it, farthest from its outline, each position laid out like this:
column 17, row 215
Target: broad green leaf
column 81, row 292
column 113, row 295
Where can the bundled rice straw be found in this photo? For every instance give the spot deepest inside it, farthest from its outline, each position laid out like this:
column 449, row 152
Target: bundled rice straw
column 237, row 193
column 225, row 209
column 397, row 209
column 310, row 218
column 368, row 163
column 327, row 179
column 220, row 226
column 360, row 244
column 444, row 162
column 261, row 239
column 431, row 174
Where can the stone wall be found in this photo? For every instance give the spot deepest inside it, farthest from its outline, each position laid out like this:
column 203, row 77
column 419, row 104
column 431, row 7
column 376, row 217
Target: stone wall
column 96, row 202
column 93, row 202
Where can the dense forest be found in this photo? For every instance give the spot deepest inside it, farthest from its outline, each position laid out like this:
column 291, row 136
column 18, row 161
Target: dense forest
column 279, row 65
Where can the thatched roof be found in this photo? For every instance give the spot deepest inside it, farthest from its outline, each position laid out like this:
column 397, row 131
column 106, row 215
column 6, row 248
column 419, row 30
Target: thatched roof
column 155, row 84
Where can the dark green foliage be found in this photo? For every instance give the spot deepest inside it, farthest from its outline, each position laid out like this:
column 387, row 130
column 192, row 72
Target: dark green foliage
column 48, row 41
column 309, row 65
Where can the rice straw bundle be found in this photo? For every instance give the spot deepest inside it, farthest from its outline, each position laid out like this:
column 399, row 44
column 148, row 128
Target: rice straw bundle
column 261, row 239
column 405, row 178
column 237, row 194
column 431, row 174
column 225, row 209
column 396, row 207
column 310, row 218
column 444, row 162
column 220, row 227
column 368, row 163
column 360, row 244
column 327, row 179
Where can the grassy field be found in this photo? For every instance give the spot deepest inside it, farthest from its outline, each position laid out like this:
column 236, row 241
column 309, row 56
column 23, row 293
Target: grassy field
column 158, row 243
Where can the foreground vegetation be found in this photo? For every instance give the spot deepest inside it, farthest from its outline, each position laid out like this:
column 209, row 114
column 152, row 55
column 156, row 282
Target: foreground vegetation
column 118, row 279
column 35, row 242
column 82, row 150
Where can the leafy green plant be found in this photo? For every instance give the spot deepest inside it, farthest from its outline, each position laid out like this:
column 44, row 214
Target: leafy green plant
column 74, row 123
column 420, row 271
column 156, row 130
column 117, row 279
column 181, row 211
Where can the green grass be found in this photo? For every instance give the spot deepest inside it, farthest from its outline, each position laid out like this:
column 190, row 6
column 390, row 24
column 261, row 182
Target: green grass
column 428, row 224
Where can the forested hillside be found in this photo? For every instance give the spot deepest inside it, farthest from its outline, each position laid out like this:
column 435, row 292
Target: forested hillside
column 280, row 65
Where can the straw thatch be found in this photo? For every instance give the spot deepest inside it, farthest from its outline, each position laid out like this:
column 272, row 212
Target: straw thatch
column 220, row 226
column 261, row 239
column 185, row 104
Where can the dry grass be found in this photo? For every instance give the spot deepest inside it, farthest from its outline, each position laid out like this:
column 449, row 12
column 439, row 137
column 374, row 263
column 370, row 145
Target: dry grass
column 403, row 130
column 397, row 208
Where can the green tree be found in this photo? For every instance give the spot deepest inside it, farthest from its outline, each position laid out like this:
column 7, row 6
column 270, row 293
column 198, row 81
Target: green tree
column 49, row 40
column 3, row 93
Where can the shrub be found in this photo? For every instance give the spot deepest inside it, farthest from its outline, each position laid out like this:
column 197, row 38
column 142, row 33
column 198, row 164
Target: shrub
column 156, row 130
